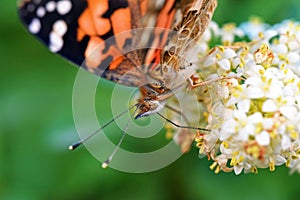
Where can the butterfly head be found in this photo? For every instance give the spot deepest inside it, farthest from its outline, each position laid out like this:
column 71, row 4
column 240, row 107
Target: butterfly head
column 153, row 99
column 148, row 106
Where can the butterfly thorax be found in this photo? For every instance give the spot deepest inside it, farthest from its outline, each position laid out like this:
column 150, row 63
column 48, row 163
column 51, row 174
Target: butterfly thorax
column 153, row 98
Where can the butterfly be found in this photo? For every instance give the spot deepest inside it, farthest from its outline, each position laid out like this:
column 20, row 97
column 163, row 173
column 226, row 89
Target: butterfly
column 137, row 43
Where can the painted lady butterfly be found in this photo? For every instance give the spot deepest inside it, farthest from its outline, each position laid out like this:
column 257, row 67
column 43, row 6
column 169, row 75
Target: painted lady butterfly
column 112, row 39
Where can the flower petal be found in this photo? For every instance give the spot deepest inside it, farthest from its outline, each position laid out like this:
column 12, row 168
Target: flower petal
column 269, row 106
column 263, row 138
column 288, row 111
column 224, row 64
column 254, row 92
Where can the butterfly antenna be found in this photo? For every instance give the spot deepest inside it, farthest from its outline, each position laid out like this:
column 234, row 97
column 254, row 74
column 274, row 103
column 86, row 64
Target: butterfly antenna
column 77, row 144
column 106, row 163
column 180, row 126
column 178, row 112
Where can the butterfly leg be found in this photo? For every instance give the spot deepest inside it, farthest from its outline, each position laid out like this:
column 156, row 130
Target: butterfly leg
column 195, row 82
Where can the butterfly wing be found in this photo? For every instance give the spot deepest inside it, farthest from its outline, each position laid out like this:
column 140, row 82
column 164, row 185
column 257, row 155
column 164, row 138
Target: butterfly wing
column 42, row 17
column 175, row 67
column 98, row 35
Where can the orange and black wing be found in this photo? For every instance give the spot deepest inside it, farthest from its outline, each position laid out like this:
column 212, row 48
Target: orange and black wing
column 98, row 34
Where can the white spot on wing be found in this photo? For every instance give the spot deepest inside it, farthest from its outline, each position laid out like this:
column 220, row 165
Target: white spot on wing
column 56, row 42
column 50, row 6
column 40, row 12
column 64, row 7
column 60, row 27
column 35, row 26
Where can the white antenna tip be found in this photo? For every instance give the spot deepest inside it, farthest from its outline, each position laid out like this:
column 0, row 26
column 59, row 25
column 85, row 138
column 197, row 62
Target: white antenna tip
column 104, row 165
column 71, row 147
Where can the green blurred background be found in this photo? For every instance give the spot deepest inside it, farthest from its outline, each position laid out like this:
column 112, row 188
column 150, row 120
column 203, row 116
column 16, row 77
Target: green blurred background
column 36, row 126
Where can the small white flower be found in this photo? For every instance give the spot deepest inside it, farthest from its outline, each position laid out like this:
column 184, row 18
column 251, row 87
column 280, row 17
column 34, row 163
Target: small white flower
column 280, row 48
column 288, row 111
column 229, row 53
column 254, row 92
column 269, row 106
column 238, row 169
column 274, row 91
column 255, row 118
column 244, row 105
column 263, row 138
column 268, row 123
column 225, row 64
column 293, row 57
column 285, row 142
column 253, row 70
column 245, row 132
column 294, row 45
column 228, row 128
column 289, row 90
column 222, row 91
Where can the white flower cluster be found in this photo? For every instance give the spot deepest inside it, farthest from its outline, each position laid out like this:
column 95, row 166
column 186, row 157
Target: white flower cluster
column 252, row 106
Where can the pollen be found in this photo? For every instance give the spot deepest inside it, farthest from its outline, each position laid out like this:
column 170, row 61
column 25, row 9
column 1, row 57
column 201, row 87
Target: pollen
column 218, row 56
column 213, row 166
column 225, row 144
column 271, row 166
column 222, row 49
column 294, row 135
column 254, row 170
column 233, row 161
